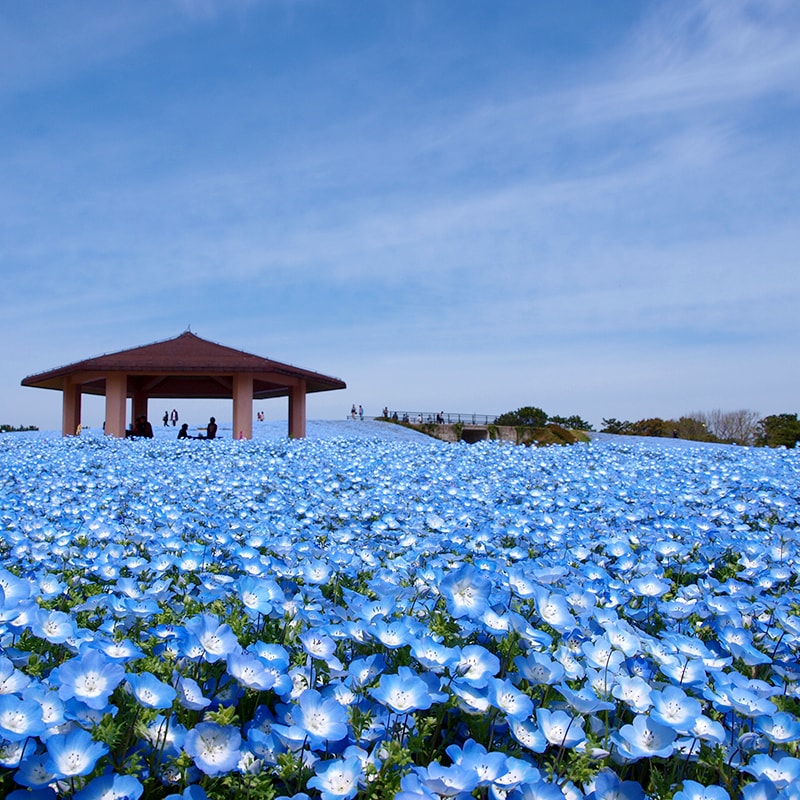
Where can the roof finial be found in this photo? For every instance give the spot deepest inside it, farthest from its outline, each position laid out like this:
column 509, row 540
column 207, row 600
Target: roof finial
column 188, row 328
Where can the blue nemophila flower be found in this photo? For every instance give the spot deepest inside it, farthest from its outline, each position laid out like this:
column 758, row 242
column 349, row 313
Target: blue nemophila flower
column 607, row 785
column 256, row 596
column 780, row 728
column 673, row 707
column 690, row 672
column 602, row 655
column 11, row 679
column 708, row 730
column 112, row 787
column 488, row 767
column 412, row 788
column 540, row 790
column 363, row 671
column 392, row 634
column 51, row 705
column 649, row 586
column 453, row 781
column 264, row 746
column 73, row 754
column 316, row 571
column 20, row 718
column 89, row 678
column 121, row 651
column 403, row 692
column 502, row 694
column 215, row 640
column 249, row 670
column 165, row 736
column 34, row 772
column 466, row 591
column 584, row 700
column 739, row 643
column 623, row 637
column 644, row 738
column 539, row 668
column 634, row 692
column 321, row 720
column 432, row 654
column 692, row 790
column 559, row 728
column 14, row 592
column 13, row 753
column 763, row 790
column 189, row 693
column 275, row 660
column 337, row 779
column 321, row 647
column 782, row 772
column 554, row 609
column 46, row 793
column 518, row 772
column 213, row 748
column 54, row 626
column 528, row 734
column 476, row 665
column 740, row 695
column 149, row 691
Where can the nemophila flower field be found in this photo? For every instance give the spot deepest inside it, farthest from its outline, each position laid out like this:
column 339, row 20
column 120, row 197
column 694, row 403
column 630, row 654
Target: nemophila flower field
column 356, row 618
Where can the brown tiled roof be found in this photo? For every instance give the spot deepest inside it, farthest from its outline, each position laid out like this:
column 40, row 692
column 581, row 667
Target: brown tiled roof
column 182, row 364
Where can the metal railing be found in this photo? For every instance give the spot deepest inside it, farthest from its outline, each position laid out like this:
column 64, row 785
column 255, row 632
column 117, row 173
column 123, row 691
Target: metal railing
column 442, row 417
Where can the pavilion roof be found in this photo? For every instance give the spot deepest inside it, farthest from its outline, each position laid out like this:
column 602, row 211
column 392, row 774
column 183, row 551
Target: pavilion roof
column 185, row 366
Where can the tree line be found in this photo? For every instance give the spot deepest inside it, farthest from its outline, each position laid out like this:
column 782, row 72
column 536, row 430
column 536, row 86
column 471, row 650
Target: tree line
column 742, row 427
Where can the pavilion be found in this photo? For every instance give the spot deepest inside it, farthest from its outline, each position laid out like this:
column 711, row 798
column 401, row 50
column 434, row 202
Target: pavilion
column 183, row 367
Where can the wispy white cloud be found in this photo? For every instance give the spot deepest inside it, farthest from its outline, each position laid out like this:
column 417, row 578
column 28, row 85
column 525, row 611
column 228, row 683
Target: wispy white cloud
column 616, row 214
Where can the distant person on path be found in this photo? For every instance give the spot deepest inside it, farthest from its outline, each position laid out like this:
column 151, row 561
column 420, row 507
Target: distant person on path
column 386, row 412
column 394, row 417
column 166, row 418
column 361, row 413
column 353, row 411
column 174, row 417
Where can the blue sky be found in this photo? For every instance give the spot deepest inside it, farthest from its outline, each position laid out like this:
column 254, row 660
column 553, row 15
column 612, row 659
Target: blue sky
column 467, row 206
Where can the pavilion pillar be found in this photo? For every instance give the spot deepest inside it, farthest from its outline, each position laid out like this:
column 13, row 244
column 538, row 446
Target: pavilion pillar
column 71, row 411
column 242, row 406
column 139, row 404
column 297, row 410
column 116, row 400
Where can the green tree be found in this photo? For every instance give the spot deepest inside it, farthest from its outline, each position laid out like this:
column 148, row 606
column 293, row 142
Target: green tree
column 613, row 425
column 779, row 430
column 529, row 416
column 574, row 423
column 655, row 426
column 694, row 426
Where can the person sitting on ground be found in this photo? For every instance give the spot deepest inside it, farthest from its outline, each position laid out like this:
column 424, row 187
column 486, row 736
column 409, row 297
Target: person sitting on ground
column 183, row 433
column 211, row 430
column 143, row 428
